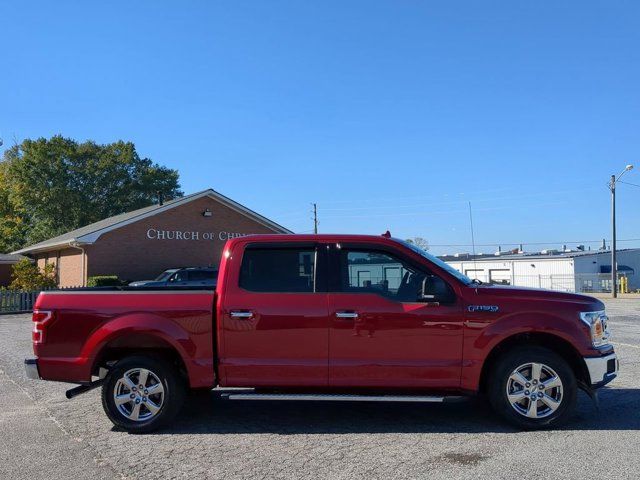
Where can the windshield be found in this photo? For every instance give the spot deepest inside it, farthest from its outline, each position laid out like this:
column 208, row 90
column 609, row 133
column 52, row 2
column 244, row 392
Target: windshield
column 164, row 276
column 445, row 266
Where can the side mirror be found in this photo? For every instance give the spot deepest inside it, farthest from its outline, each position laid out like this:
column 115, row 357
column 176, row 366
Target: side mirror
column 436, row 290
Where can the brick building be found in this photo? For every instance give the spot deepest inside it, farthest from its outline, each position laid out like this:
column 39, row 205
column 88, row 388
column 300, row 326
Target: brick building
column 139, row 245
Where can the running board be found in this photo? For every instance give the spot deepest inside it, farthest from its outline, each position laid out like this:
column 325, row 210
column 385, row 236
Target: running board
column 338, row 397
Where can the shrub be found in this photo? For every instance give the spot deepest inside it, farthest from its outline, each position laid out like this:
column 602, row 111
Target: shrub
column 26, row 275
column 104, row 281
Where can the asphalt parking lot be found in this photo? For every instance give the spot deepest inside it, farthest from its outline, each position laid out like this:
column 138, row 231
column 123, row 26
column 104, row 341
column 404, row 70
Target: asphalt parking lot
column 43, row 435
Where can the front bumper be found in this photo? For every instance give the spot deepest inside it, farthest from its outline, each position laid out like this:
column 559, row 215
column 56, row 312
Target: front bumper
column 31, row 368
column 602, row 369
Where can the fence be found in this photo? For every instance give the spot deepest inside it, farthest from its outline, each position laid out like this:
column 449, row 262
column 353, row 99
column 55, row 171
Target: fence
column 12, row 301
column 19, row 301
column 579, row 282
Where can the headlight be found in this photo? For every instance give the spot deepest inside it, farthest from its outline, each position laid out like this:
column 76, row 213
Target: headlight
column 597, row 323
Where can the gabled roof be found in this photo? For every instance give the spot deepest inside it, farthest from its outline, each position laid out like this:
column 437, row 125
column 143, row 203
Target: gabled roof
column 90, row 233
column 10, row 258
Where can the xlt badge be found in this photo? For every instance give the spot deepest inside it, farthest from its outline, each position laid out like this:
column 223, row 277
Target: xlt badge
column 483, row 308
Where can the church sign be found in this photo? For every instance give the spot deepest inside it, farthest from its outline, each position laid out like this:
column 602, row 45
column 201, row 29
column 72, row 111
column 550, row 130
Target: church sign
column 155, row 234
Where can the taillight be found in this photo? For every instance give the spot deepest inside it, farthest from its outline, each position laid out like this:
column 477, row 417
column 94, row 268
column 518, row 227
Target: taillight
column 40, row 319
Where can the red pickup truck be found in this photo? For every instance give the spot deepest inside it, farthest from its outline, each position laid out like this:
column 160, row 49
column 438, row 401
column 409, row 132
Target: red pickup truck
column 325, row 317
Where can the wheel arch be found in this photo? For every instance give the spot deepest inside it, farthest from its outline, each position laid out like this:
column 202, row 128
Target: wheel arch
column 127, row 344
column 140, row 334
column 550, row 341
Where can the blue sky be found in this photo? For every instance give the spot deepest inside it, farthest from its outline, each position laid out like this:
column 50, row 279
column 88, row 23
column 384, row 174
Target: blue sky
column 388, row 114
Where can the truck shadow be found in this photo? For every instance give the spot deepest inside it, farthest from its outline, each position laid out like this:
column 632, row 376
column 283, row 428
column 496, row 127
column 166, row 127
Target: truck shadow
column 208, row 413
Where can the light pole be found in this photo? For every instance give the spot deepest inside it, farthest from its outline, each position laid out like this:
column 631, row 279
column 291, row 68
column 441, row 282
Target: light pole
column 614, row 265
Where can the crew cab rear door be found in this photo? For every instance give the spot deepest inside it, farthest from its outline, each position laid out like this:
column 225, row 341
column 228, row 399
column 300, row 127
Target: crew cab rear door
column 275, row 317
column 393, row 323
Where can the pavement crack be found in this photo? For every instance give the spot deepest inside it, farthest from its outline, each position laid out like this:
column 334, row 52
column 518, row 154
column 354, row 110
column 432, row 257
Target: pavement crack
column 51, row 417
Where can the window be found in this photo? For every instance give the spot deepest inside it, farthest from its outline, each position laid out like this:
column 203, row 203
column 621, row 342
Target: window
column 201, row 275
column 370, row 271
column 278, row 270
column 378, row 272
column 179, row 276
column 164, row 276
column 500, row 276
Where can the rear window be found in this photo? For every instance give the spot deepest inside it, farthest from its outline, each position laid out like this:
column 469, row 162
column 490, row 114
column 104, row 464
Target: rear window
column 278, row 270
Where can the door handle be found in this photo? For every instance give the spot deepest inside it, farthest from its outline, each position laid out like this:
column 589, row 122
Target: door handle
column 240, row 314
column 350, row 315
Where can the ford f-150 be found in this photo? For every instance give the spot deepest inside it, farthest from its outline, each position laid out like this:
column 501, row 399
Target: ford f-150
column 325, row 317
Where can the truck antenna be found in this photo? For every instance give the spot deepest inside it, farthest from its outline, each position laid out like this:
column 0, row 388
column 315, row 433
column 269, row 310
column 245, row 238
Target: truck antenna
column 473, row 242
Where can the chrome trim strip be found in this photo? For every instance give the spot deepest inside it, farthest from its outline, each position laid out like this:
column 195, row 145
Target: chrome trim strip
column 332, row 397
column 597, row 367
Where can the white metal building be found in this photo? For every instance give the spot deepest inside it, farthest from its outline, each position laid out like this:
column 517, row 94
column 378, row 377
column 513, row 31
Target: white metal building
column 571, row 271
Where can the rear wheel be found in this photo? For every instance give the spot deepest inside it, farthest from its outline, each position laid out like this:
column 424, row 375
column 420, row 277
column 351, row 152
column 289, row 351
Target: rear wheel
column 142, row 393
column 532, row 388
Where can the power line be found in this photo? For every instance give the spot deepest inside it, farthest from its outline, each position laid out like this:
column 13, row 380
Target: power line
column 449, row 202
column 443, row 212
column 417, row 197
column 464, row 195
column 508, row 244
column 563, row 242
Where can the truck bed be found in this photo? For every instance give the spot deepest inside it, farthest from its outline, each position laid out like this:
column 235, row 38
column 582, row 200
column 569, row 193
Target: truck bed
column 90, row 323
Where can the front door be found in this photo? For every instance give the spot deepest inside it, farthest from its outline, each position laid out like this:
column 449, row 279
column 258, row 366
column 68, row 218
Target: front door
column 275, row 325
column 392, row 324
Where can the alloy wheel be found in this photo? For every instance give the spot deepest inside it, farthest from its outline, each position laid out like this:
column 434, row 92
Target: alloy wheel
column 534, row 390
column 138, row 394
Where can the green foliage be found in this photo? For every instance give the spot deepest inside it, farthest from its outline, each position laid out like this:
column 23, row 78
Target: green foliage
column 51, row 186
column 26, row 275
column 13, row 228
column 104, row 281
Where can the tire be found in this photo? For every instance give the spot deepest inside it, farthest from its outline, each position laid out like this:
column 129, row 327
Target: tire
column 513, row 383
column 141, row 411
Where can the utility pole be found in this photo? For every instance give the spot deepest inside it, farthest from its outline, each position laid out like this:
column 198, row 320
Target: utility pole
column 614, row 265
column 315, row 218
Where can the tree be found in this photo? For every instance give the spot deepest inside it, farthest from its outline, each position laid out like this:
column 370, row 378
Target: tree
column 13, row 229
column 419, row 242
column 55, row 185
column 26, row 275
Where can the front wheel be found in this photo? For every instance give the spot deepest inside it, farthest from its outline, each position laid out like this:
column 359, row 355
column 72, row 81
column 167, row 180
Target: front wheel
column 533, row 388
column 142, row 393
